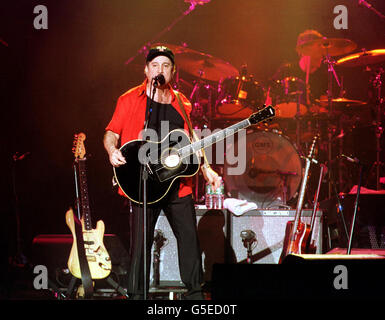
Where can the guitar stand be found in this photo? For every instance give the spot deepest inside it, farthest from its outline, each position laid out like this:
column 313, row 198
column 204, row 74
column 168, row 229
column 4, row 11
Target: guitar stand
column 110, row 281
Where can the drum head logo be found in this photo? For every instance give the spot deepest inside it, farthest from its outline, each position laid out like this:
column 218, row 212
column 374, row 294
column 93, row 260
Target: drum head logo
column 263, row 145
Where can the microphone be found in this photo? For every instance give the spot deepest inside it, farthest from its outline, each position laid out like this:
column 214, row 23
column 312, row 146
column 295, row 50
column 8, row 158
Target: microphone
column 159, row 80
column 350, row 159
column 248, row 235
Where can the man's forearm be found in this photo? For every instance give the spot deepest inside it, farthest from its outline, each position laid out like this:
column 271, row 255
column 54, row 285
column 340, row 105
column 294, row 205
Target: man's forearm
column 110, row 141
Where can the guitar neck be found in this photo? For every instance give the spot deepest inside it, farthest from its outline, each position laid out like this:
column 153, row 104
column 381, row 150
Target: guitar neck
column 213, row 138
column 82, row 192
column 301, row 196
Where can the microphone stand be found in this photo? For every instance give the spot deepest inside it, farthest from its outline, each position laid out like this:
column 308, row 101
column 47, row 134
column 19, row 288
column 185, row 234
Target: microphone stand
column 369, row 6
column 331, row 72
column 361, row 169
column 144, row 178
column 377, row 84
column 144, row 49
column 20, row 258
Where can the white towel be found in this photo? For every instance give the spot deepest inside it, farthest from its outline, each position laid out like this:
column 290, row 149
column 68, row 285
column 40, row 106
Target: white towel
column 239, row 207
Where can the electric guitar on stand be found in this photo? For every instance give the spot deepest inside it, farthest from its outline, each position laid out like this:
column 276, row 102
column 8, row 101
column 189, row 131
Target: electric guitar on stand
column 298, row 232
column 94, row 251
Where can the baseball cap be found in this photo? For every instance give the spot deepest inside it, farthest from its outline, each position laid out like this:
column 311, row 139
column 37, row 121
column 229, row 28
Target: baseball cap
column 160, row 51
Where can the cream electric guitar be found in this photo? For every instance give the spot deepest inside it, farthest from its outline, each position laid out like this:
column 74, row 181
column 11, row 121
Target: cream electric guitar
column 98, row 259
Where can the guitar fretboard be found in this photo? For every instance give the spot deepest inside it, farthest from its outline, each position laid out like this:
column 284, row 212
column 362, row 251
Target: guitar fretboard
column 83, row 188
column 213, row 138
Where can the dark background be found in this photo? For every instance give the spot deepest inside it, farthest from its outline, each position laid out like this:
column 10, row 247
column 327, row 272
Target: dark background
column 60, row 81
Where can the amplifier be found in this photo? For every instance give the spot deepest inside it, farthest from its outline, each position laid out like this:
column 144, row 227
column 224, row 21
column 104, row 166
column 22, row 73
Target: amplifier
column 220, row 241
column 269, row 228
column 212, row 232
column 369, row 227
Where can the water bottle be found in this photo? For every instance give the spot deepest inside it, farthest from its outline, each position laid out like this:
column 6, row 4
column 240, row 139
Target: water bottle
column 219, row 195
column 215, row 198
column 209, row 196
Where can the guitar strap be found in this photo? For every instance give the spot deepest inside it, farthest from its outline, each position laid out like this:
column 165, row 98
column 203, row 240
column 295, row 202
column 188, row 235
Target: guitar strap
column 84, row 267
column 184, row 114
column 192, row 133
column 82, row 256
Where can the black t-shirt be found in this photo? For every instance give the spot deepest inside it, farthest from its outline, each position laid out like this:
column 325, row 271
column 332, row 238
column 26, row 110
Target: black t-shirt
column 165, row 113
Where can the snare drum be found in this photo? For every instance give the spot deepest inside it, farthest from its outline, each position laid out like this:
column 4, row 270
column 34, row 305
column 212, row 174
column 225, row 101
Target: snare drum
column 239, row 97
column 287, row 94
column 273, row 169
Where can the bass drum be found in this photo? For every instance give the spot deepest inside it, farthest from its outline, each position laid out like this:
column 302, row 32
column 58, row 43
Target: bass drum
column 273, row 169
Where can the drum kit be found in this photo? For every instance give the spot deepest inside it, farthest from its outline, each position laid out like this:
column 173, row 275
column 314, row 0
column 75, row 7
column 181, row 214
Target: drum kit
column 221, row 94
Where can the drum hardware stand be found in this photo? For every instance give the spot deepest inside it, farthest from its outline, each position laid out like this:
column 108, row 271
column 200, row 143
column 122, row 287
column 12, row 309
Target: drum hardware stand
column 340, row 151
column 340, row 207
column 377, row 83
column 284, row 189
column 284, row 176
column 196, row 92
column 200, row 115
column 341, row 139
column 20, row 259
column 298, row 121
column 331, row 72
column 361, row 169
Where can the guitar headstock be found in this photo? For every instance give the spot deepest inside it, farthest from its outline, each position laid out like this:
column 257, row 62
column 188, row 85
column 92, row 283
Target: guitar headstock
column 79, row 149
column 264, row 114
column 311, row 151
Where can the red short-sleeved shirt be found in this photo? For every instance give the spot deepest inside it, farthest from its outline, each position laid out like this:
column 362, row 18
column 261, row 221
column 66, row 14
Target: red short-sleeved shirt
column 128, row 121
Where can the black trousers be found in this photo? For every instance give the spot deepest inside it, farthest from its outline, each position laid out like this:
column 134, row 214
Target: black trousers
column 180, row 213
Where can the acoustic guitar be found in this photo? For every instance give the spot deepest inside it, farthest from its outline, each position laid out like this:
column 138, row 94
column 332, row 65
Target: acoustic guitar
column 173, row 157
column 98, row 259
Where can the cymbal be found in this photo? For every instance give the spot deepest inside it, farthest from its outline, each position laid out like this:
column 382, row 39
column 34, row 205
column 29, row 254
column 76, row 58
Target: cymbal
column 205, row 66
column 363, row 58
column 342, row 103
column 200, row 64
column 176, row 49
column 324, row 46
